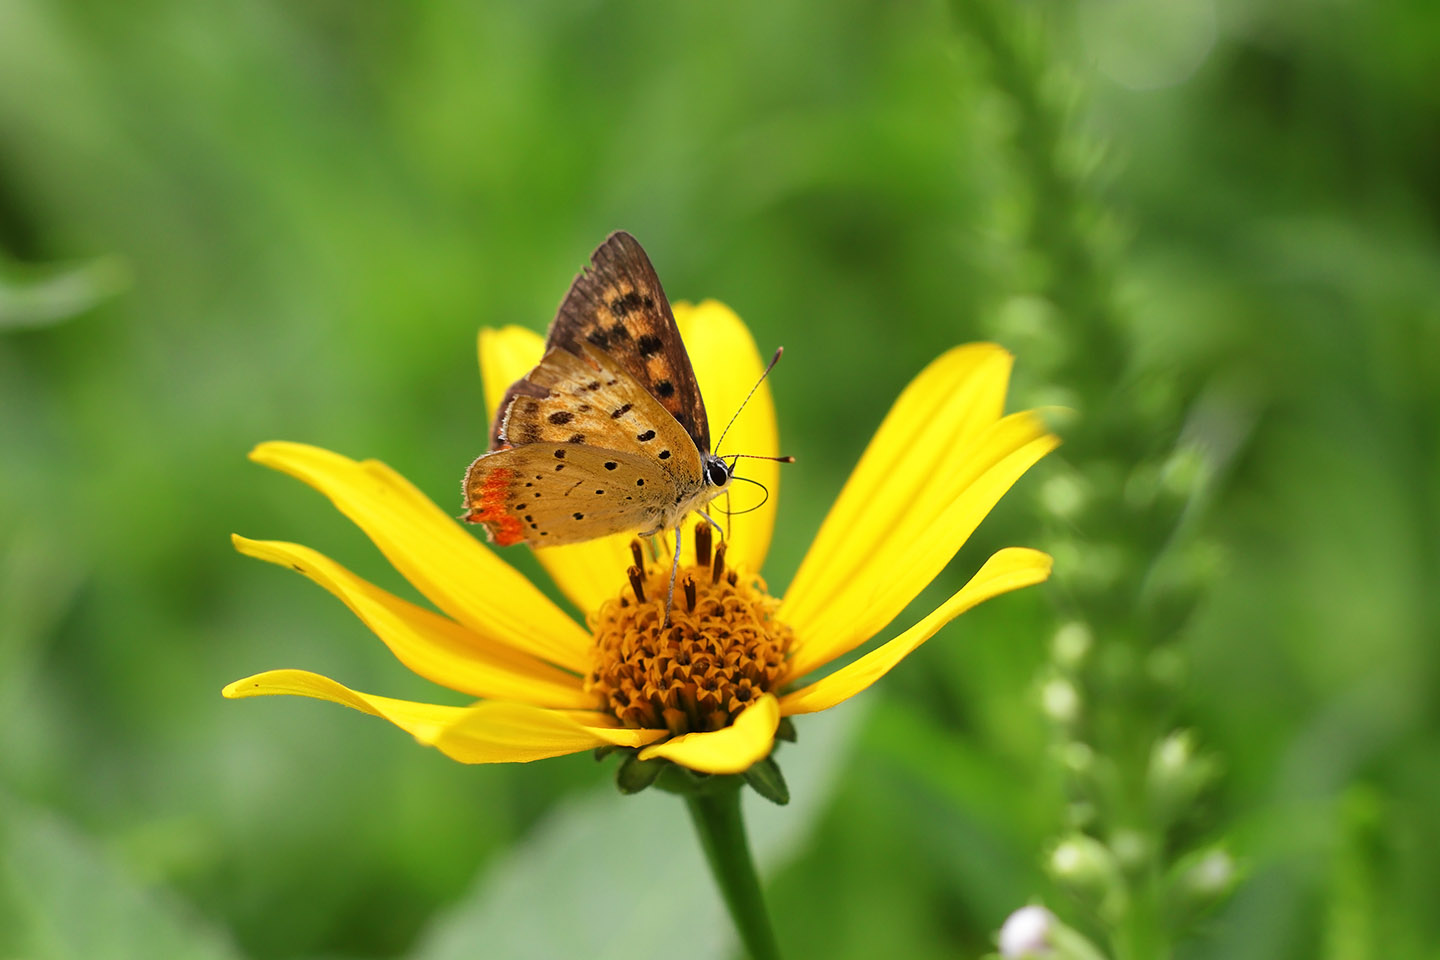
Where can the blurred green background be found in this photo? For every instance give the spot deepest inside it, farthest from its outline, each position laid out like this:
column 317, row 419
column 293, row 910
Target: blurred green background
column 226, row 223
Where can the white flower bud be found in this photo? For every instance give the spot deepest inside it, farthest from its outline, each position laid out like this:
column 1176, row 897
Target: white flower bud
column 1060, row 700
column 1178, row 774
column 1131, row 848
column 1063, row 495
column 1088, row 869
column 1034, row 932
column 1026, row 932
column 1173, row 753
column 1077, row 757
column 1203, row 877
column 1071, row 644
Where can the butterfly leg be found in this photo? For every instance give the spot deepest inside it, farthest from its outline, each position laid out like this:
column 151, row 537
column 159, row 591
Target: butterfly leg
column 674, row 569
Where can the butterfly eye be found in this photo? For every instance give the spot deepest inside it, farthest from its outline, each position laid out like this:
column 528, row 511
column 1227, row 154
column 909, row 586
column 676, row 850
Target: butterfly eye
column 717, row 473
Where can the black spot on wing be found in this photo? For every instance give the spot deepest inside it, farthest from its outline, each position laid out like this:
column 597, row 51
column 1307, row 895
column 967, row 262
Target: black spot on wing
column 609, row 465
column 645, row 437
column 649, row 344
column 621, row 306
column 619, row 411
column 664, row 389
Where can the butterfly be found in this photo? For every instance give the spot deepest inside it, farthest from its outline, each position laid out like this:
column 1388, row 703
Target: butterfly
column 608, row 432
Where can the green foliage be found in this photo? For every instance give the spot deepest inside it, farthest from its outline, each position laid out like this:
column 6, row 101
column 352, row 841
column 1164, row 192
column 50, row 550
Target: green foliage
column 1209, row 232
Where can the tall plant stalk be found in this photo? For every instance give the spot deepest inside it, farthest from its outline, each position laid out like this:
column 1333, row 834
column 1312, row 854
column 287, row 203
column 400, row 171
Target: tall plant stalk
column 1128, row 575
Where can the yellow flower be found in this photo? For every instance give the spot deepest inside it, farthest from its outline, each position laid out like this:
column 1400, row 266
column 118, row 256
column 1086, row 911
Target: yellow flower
column 707, row 691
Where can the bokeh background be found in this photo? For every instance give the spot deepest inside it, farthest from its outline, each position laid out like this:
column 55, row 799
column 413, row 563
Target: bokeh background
column 226, row 223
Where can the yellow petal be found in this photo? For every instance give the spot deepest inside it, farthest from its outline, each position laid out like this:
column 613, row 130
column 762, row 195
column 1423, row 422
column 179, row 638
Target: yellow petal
column 488, row 732
column 506, row 355
column 495, row 732
column 587, row 573
column 930, row 426
column 444, row 562
column 1009, row 569
column 889, row 572
column 727, row 364
column 732, row 750
column 433, row 646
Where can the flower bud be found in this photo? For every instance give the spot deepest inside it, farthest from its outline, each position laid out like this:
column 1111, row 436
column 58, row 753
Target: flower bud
column 1035, row 932
column 1199, row 881
column 1131, row 848
column 1063, row 495
column 1060, row 700
column 1078, row 758
column 1026, row 932
column 1071, row 643
column 1087, row 868
column 1177, row 775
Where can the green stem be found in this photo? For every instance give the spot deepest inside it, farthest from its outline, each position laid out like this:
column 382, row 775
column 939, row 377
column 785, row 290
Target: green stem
column 717, row 819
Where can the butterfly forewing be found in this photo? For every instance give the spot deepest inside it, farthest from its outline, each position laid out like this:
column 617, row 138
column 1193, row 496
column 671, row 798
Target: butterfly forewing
column 618, row 306
column 552, row 494
column 590, row 399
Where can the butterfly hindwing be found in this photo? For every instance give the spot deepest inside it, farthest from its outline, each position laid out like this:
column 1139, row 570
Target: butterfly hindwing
column 618, row 306
column 550, row 494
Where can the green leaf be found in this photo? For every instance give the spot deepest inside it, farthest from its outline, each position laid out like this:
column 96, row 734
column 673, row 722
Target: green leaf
column 43, row 296
column 61, row 898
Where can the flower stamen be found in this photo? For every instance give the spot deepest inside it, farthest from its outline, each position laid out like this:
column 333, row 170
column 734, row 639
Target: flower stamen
column 637, row 583
column 713, row 658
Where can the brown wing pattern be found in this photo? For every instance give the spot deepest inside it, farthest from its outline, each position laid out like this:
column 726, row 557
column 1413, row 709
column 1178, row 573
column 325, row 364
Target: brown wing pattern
column 618, row 306
column 591, row 400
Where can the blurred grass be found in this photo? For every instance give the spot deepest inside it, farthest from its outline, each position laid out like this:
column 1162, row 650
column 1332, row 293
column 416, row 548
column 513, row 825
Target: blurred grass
column 318, row 203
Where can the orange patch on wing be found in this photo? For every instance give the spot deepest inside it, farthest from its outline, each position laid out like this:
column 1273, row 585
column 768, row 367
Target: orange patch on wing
column 504, row 528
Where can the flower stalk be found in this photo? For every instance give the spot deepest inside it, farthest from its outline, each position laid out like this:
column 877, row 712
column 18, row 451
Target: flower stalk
column 1131, row 570
column 718, row 820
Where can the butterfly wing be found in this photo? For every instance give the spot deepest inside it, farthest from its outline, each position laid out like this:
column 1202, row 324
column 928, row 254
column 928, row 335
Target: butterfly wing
column 549, row 494
column 617, row 306
column 591, row 399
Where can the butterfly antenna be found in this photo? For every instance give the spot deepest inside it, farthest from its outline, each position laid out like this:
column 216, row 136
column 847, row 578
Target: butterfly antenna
column 755, row 456
column 773, row 360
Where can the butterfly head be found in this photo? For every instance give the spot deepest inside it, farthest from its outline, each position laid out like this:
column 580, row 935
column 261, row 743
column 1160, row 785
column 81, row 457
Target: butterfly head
column 717, row 473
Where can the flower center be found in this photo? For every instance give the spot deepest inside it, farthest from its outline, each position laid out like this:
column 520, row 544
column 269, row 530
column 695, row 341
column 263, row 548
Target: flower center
column 721, row 649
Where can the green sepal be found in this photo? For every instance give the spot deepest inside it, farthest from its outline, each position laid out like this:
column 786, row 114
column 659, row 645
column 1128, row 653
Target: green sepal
column 635, row 775
column 683, row 781
column 786, row 730
column 604, row 751
column 767, row 780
